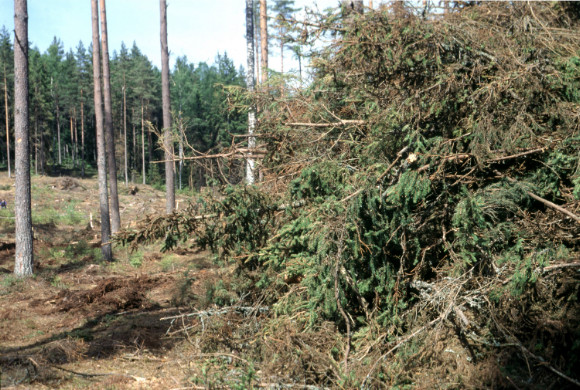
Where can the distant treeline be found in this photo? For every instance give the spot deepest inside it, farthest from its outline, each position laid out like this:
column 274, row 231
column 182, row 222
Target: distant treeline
column 62, row 124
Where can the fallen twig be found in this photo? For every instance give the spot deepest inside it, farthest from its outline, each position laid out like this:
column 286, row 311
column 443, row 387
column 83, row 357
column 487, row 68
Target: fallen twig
column 516, row 155
column 546, row 202
column 342, row 122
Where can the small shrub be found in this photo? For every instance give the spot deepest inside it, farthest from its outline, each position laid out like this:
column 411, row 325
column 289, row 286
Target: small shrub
column 136, row 259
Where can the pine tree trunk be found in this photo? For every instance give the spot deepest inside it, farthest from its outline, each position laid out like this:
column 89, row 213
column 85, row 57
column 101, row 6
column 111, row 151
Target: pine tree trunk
column 7, row 122
column 36, row 137
column 76, row 143
column 125, row 131
column 101, row 158
column 134, row 148
column 72, row 138
column 143, row 144
column 23, row 220
column 264, row 39
column 167, row 138
column 181, row 137
column 82, row 136
column 257, row 44
column 58, row 133
column 250, row 80
column 109, row 132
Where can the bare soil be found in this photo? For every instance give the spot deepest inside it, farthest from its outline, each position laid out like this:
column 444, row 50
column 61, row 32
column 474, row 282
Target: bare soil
column 81, row 322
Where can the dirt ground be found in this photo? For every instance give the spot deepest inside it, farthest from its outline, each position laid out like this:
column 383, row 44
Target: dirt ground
column 81, row 322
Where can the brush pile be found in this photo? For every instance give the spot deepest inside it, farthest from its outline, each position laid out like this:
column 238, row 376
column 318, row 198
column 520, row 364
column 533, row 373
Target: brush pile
column 429, row 179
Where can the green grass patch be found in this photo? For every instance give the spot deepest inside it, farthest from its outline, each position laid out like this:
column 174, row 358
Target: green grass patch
column 168, row 263
column 64, row 213
column 9, row 284
column 136, row 259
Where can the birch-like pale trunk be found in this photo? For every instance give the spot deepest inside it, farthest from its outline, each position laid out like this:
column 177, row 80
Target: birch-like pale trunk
column 250, row 81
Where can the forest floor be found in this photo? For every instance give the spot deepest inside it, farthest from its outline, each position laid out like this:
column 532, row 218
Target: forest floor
column 81, row 322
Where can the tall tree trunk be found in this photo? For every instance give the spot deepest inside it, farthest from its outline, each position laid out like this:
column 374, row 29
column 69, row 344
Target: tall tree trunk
column 167, row 138
column 125, row 130
column 72, row 137
column 58, row 132
column 181, row 137
column 23, row 220
column 257, row 42
column 76, row 143
column 143, row 144
column 109, row 134
column 264, row 39
column 42, row 155
column 82, row 136
column 149, row 139
column 134, row 147
column 7, row 122
column 36, row 136
column 101, row 158
column 250, row 80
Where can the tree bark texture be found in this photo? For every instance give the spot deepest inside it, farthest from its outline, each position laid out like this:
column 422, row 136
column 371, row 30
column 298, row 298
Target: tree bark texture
column 109, row 134
column 7, row 123
column 23, row 220
column 167, row 138
column 101, row 159
column 264, row 39
column 82, row 136
column 144, row 173
column 125, row 130
column 250, row 80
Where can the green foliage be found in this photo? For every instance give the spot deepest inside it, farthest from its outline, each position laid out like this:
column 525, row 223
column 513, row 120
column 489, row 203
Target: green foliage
column 136, row 259
column 60, row 214
column 245, row 223
column 10, row 283
column 220, row 294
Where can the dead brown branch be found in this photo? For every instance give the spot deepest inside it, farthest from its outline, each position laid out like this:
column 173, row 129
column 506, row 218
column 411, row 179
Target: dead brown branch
column 343, row 122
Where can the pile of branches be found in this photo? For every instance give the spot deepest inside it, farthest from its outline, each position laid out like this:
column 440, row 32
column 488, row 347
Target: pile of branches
column 429, row 180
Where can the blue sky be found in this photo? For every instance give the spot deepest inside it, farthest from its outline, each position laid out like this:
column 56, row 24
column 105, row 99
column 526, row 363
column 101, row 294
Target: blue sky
column 198, row 29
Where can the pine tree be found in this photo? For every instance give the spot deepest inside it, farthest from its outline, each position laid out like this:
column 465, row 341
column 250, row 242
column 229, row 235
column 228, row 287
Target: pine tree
column 283, row 9
column 84, row 82
column 101, row 158
column 23, row 219
column 264, row 39
column 54, row 58
column 7, row 65
column 109, row 133
column 167, row 139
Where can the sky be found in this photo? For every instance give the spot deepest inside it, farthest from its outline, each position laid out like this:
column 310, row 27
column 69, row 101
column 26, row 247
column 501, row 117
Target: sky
column 198, row 29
